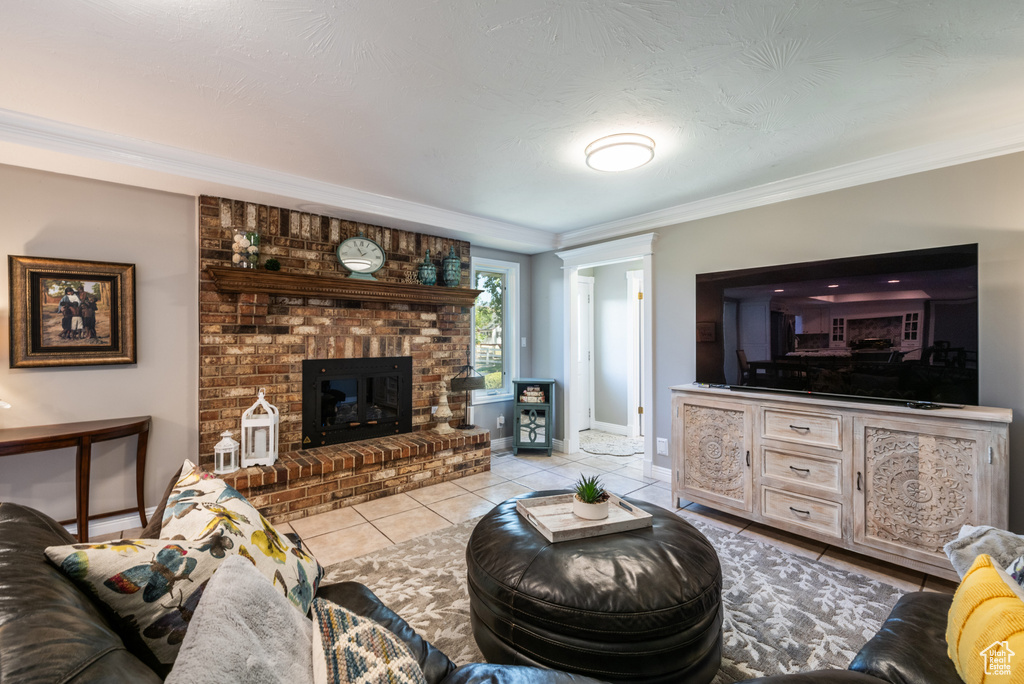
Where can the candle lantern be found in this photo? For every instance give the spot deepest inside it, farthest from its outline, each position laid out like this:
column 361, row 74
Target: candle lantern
column 225, row 455
column 259, row 433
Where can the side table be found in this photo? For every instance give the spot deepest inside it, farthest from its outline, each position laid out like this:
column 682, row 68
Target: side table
column 534, row 414
column 82, row 436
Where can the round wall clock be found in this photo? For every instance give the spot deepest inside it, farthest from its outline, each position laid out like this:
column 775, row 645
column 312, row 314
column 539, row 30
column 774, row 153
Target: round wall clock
column 361, row 256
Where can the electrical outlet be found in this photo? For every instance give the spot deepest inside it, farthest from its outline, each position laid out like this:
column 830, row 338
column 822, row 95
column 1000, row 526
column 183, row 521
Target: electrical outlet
column 501, row 421
column 662, row 446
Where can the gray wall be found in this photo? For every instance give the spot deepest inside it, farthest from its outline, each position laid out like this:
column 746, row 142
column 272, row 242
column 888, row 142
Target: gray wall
column 486, row 415
column 49, row 215
column 977, row 202
column 611, row 340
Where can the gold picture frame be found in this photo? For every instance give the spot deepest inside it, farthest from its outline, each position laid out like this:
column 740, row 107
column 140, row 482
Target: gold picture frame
column 66, row 312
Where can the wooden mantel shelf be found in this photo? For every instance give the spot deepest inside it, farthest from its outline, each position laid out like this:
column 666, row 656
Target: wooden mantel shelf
column 248, row 281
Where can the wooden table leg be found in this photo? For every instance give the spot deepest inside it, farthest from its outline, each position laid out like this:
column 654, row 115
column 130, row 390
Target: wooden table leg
column 140, row 474
column 83, row 464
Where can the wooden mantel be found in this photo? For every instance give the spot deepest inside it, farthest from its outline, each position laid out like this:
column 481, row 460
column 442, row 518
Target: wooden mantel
column 250, row 281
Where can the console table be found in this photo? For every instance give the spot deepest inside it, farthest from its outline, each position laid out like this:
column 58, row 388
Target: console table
column 886, row 480
column 82, row 436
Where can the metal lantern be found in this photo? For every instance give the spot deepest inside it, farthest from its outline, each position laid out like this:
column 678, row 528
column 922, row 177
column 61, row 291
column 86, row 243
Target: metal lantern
column 225, row 455
column 259, row 433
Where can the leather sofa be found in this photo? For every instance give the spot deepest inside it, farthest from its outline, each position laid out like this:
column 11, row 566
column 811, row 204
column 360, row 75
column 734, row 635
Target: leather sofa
column 52, row 632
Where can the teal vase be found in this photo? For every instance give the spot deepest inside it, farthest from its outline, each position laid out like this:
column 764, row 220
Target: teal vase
column 427, row 272
column 451, row 269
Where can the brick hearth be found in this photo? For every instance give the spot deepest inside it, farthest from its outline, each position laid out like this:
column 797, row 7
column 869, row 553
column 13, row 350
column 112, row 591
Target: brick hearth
column 304, row 483
column 259, row 339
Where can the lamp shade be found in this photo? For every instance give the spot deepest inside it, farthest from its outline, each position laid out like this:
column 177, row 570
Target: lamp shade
column 620, row 152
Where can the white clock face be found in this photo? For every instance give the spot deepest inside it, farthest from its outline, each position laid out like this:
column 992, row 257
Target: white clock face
column 361, row 255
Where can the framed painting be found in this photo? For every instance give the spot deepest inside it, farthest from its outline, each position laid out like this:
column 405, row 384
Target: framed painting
column 66, row 312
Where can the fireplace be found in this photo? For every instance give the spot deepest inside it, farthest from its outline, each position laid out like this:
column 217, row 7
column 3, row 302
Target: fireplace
column 344, row 400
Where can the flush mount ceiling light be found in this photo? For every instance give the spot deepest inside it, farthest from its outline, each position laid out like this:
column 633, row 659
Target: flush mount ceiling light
column 620, row 152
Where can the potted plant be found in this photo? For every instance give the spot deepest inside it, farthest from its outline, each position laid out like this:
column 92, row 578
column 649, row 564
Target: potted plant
column 591, row 500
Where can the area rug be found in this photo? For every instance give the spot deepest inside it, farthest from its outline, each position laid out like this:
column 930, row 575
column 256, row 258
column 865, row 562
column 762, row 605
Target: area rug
column 783, row 613
column 606, row 444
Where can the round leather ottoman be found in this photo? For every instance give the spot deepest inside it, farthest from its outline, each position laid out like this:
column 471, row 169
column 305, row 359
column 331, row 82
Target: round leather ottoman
column 637, row 606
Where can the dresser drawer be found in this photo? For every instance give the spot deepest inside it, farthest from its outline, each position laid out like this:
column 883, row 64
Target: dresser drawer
column 801, row 427
column 814, row 471
column 803, row 511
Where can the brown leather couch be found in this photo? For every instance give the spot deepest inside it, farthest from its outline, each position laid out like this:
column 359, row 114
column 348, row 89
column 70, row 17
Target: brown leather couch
column 51, row 632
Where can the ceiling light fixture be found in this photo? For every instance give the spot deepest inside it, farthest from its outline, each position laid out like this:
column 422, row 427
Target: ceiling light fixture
column 620, row 152
column 833, row 286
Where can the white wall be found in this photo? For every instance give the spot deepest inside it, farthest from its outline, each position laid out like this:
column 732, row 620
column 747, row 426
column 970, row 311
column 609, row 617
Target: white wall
column 979, row 202
column 49, row 215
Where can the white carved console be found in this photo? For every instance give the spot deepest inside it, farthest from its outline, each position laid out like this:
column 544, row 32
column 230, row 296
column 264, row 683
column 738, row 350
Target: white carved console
column 887, row 481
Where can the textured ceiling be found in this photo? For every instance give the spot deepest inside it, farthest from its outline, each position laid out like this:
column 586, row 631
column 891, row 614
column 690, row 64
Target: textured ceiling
column 483, row 107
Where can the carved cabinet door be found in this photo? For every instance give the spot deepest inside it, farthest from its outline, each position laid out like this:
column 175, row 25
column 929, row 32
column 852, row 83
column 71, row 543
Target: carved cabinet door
column 712, row 443
column 916, row 484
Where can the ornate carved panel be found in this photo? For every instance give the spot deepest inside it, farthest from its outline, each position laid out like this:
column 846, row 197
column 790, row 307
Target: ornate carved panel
column 918, row 487
column 715, row 454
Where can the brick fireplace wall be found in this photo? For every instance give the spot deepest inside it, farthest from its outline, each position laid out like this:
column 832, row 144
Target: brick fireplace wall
column 250, row 341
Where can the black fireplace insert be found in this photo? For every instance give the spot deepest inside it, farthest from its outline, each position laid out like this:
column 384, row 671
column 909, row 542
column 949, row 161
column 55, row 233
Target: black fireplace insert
column 344, row 400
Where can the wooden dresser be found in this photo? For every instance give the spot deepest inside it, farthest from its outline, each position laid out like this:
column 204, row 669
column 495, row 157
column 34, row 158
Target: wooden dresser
column 887, row 481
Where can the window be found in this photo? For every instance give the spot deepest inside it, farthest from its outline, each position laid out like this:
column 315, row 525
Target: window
column 910, row 326
column 838, row 329
column 494, row 327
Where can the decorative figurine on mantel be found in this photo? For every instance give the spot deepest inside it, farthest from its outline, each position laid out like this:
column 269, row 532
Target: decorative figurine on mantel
column 443, row 413
column 426, row 271
column 451, row 268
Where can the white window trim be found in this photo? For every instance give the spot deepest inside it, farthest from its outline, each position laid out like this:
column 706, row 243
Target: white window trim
column 510, row 335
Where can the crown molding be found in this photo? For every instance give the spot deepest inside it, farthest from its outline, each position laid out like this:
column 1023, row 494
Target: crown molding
column 609, row 252
column 37, row 132
column 884, row 167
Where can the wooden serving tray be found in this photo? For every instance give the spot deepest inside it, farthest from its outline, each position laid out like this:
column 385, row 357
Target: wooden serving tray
column 552, row 516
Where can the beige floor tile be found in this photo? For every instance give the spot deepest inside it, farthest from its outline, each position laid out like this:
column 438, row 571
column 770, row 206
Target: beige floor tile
column 389, row 505
column 938, row 584
column 462, row 508
column 637, row 473
column 541, row 461
column 411, row 524
column 719, row 519
column 444, row 490
column 654, row 495
column 513, row 469
column 110, row 536
column 340, row 545
column 479, row 481
column 800, row 546
column 543, row 480
column 621, row 485
column 131, row 533
column 338, row 519
column 902, row 578
column 500, row 492
column 604, row 463
column 574, row 470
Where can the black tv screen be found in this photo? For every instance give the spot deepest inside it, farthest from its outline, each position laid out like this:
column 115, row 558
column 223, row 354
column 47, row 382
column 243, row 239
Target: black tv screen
column 901, row 327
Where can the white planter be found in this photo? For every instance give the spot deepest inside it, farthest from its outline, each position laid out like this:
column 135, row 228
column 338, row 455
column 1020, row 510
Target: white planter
column 589, row 511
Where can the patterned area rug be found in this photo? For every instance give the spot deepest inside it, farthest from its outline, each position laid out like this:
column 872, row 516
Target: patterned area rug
column 606, row 444
column 783, row 613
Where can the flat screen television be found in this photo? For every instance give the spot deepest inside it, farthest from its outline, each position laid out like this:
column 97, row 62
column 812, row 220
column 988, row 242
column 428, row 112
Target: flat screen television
column 898, row 327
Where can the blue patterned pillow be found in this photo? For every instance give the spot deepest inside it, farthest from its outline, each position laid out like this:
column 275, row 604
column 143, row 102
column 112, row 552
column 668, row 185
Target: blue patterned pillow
column 348, row 648
column 1016, row 570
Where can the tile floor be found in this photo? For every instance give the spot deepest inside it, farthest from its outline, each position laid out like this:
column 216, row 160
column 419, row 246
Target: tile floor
column 349, row 532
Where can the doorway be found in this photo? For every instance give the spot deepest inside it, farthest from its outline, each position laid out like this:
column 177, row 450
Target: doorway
column 585, row 355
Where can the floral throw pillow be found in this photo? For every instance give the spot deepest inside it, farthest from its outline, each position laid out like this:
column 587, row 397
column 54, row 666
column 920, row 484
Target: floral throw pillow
column 204, row 508
column 350, row 649
column 1016, row 570
column 149, row 587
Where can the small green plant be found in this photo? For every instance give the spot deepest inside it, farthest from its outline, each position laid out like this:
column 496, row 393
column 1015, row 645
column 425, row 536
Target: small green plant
column 590, row 490
column 272, row 265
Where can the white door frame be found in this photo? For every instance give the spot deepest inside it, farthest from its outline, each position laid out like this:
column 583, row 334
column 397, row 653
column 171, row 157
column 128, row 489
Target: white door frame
column 589, row 403
column 634, row 343
column 614, row 251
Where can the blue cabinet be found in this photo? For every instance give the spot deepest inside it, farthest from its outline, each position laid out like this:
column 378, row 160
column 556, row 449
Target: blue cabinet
column 534, row 414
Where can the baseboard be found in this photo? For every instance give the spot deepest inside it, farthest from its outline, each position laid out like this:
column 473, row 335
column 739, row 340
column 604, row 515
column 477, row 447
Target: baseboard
column 501, row 443
column 115, row 523
column 661, row 473
column 558, row 445
column 609, row 427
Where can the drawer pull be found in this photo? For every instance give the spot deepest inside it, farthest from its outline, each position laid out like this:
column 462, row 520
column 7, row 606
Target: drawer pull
column 799, row 428
column 800, row 470
column 748, row 458
column 858, row 481
column 798, row 511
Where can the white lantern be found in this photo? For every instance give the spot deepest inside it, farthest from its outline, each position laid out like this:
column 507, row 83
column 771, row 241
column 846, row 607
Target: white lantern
column 225, row 455
column 259, row 433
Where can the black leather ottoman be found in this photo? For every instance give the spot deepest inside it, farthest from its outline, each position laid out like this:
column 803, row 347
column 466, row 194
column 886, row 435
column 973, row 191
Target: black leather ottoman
column 638, row 606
